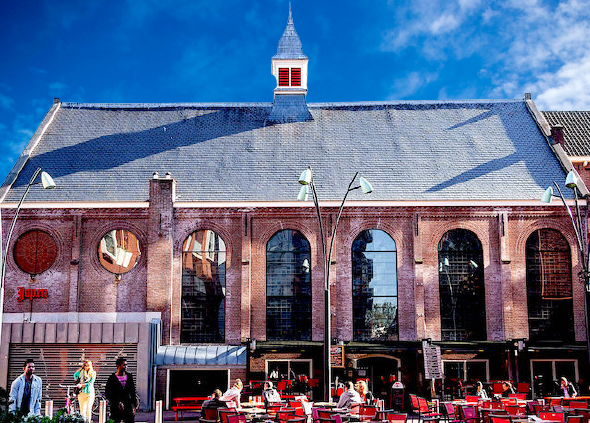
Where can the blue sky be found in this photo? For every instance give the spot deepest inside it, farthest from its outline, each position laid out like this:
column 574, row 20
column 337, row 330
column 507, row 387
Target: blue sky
column 147, row 51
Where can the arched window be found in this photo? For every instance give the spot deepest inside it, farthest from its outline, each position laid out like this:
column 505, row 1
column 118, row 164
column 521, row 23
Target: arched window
column 549, row 286
column 203, row 288
column 288, row 287
column 374, row 286
column 461, row 287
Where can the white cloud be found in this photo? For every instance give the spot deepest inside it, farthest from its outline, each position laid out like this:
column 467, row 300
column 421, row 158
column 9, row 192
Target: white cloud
column 411, row 84
column 531, row 46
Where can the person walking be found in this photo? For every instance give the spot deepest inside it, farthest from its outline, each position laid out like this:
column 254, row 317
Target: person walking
column 85, row 377
column 120, row 392
column 25, row 391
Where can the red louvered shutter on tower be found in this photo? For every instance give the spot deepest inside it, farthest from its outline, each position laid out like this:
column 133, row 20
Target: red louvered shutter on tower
column 295, row 77
column 283, row 77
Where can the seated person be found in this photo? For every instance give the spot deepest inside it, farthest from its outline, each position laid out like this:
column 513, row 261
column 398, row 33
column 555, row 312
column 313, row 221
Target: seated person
column 507, row 389
column 270, row 394
column 234, row 394
column 349, row 396
column 481, row 392
column 214, row 402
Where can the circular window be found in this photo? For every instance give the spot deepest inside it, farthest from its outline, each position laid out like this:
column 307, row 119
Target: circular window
column 118, row 251
column 35, row 251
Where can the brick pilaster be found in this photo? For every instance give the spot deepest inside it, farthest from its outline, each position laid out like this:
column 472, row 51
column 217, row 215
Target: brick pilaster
column 160, row 249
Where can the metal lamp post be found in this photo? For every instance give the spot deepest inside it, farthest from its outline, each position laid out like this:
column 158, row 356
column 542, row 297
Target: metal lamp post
column 47, row 183
column 580, row 226
column 307, row 180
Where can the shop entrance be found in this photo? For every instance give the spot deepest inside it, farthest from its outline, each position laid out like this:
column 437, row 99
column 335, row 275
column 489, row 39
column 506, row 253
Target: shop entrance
column 382, row 372
column 196, row 383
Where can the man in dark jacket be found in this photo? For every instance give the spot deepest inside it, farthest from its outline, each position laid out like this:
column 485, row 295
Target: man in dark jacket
column 120, row 392
column 214, row 402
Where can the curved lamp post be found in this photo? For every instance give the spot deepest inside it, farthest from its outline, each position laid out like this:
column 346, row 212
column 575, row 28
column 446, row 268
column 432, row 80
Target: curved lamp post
column 579, row 224
column 307, row 180
column 47, row 183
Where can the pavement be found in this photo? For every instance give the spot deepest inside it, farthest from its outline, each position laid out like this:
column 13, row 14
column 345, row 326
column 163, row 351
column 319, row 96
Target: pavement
column 167, row 415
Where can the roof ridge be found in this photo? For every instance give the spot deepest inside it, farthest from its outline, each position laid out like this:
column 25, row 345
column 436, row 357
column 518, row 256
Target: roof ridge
column 159, row 106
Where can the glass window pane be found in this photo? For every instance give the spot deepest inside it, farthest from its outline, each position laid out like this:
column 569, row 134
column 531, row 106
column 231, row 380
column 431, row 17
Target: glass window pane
column 288, row 287
column 549, row 286
column 118, row 251
column 453, row 370
column 374, row 286
column 203, row 288
column 461, row 286
column 476, row 371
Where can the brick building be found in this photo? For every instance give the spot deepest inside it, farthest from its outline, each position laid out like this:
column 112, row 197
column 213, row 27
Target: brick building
column 174, row 238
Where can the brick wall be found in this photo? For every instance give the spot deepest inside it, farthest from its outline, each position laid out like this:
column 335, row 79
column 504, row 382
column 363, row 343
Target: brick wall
column 77, row 281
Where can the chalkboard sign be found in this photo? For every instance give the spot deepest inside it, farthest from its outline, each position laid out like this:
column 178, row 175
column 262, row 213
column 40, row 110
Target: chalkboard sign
column 337, row 356
column 397, row 396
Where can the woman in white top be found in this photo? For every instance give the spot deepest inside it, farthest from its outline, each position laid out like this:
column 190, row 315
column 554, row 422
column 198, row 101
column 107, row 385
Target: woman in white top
column 234, row 394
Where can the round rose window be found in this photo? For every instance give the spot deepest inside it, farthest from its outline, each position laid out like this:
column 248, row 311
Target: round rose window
column 118, row 251
column 35, row 251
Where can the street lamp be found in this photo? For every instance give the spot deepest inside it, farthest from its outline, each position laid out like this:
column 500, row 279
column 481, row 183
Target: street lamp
column 307, row 180
column 580, row 229
column 47, row 183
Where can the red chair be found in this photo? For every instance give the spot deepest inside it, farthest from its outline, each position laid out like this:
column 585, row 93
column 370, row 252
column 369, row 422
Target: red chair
column 367, row 412
column 497, row 388
column 450, row 412
column 396, row 417
column 522, row 388
column 236, row 418
column 415, row 404
column 515, row 410
column 471, row 398
column 555, row 401
column 424, row 410
column 499, row 419
column 548, row 415
column 521, row 397
column 578, row 404
column 540, row 408
column 281, row 386
column 468, row 413
column 224, row 412
column 574, row 419
column 209, row 415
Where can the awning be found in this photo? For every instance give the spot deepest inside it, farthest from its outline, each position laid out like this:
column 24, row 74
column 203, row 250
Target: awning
column 203, row 355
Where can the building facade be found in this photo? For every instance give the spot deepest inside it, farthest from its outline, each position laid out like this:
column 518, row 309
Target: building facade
column 174, row 238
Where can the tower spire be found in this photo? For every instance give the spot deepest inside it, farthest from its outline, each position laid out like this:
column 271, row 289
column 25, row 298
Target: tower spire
column 289, row 67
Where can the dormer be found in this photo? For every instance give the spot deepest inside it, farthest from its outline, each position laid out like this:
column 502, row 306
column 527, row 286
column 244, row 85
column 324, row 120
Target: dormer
column 289, row 65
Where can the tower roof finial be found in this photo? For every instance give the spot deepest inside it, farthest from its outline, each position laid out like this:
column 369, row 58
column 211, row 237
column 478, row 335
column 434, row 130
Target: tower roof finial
column 290, row 44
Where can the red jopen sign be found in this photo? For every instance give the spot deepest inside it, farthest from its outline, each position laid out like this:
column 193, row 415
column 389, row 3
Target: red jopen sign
column 30, row 294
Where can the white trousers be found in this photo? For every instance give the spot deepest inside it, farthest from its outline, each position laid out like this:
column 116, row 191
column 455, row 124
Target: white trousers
column 86, row 401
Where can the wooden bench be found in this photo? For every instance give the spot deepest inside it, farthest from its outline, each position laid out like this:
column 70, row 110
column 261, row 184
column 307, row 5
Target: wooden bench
column 187, row 404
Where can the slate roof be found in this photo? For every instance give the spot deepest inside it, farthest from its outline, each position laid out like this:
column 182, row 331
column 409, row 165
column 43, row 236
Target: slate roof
column 414, row 150
column 290, row 44
column 576, row 130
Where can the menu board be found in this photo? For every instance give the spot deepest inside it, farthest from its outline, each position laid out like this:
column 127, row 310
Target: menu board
column 432, row 361
column 337, row 356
